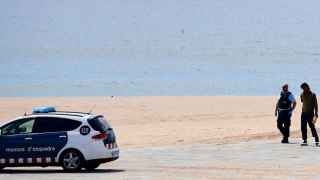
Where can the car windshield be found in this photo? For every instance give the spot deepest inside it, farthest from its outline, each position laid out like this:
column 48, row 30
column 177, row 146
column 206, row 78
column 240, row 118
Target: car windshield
column 99, row 124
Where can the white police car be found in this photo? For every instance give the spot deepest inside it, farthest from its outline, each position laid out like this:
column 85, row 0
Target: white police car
column 73, row 140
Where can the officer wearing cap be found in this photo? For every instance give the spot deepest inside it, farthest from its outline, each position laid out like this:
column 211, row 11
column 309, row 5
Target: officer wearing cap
column 284, row 108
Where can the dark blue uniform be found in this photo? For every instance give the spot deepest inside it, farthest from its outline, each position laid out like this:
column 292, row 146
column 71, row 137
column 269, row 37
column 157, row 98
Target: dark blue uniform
column 284, row 114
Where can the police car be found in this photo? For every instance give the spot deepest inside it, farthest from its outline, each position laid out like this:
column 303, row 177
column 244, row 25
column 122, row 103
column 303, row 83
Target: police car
column 73, row 140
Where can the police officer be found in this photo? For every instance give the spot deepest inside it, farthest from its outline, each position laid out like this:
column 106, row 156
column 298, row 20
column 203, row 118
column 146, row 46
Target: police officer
column 309, row 113
column 284, row 108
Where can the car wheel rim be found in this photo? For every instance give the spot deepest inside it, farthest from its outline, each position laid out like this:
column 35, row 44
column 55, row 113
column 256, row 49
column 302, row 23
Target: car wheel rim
column 71, row 161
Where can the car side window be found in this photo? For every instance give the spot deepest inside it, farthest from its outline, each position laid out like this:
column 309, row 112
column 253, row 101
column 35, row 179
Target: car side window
column 52, row 124
column 23, row 126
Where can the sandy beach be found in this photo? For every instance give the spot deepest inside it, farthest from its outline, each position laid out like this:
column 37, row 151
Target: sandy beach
column 183, row 138
column 168, row 120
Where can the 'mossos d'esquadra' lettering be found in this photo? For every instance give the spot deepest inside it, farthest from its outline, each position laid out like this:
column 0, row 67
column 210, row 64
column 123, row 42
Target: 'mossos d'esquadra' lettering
column 15, row 149
column 31, row 149
column 42, row 149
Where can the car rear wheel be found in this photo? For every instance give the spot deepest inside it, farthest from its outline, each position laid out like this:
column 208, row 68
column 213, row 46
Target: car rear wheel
column 91, row 166
column 71, row 160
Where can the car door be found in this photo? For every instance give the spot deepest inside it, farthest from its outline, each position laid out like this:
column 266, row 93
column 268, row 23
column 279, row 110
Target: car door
column 15, row 140
column 49, row 138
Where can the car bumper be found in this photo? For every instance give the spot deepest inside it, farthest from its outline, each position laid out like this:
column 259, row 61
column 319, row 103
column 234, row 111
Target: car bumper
column 104, row 160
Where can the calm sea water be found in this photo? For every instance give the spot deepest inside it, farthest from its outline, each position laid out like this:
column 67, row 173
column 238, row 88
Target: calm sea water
column 151, row 47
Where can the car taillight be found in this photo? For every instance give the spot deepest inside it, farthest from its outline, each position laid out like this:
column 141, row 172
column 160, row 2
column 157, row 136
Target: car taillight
column 101, row 136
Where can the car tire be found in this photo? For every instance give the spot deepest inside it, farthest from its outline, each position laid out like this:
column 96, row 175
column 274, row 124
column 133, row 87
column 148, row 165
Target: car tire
column 91, row 166
column 71, row 160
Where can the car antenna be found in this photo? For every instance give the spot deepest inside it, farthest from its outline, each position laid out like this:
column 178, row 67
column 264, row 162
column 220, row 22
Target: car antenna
column 94, row 106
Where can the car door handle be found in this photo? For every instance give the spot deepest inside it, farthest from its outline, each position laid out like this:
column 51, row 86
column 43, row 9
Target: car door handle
column 28, row 138
column 62, row 136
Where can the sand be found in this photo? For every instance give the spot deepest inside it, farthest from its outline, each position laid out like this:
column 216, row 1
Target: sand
column 183, row 138
column 168, row 120
column 256, row 159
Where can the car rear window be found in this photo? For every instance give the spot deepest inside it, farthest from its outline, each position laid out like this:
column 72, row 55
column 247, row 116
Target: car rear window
column 99, row 124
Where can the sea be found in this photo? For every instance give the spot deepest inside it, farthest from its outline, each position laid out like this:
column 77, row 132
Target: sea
column 158, row 48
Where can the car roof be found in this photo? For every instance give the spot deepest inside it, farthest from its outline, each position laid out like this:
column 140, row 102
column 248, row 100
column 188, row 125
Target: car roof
column 79, row 116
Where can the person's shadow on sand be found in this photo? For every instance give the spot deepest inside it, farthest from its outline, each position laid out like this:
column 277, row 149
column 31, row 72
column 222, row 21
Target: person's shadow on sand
column 56, row 171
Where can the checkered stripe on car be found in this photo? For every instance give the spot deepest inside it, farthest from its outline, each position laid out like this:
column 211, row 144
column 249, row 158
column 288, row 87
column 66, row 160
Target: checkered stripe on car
column 36, row 160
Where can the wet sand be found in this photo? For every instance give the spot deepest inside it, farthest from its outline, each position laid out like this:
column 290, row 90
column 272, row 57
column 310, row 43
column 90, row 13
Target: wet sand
column 255, row 159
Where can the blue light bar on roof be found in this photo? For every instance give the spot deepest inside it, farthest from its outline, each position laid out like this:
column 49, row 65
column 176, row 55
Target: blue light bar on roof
column 43, row 110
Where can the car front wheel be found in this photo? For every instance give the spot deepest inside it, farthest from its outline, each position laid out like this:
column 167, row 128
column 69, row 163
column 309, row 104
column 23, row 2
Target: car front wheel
column 71, row 160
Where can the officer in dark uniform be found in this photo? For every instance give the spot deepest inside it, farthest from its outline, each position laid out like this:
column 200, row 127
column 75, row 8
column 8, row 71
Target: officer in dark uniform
column 284, row 108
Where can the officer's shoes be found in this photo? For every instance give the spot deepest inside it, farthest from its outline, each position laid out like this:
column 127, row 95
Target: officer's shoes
column 304, row 143
column 285, row 141
column 316, row 140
